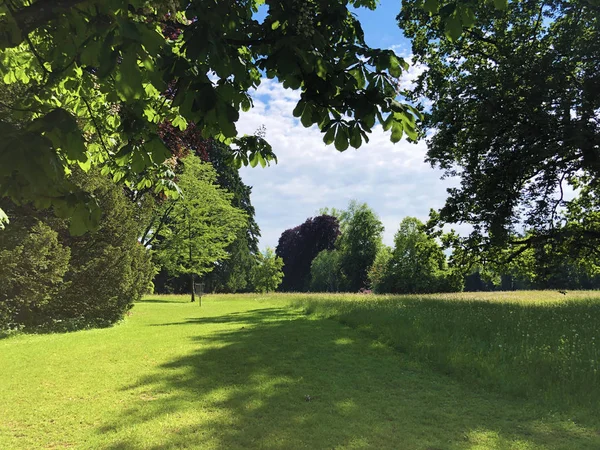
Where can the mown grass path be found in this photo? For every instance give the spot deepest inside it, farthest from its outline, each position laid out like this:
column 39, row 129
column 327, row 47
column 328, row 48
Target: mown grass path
column 236, row 373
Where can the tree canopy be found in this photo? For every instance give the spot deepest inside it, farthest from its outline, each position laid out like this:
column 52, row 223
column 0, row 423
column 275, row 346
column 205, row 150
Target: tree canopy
column 359, row 242
column 515, row 113
column 298, row 247
column 267, row 273
column 190, row 234
column 417, row 263
column 90, row 82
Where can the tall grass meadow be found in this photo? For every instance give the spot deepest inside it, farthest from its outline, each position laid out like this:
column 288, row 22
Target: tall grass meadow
column 537, row 344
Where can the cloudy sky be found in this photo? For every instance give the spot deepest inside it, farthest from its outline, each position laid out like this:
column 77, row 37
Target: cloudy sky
column 392, row 178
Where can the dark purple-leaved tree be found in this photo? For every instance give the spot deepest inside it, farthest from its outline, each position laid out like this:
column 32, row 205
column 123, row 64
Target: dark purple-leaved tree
column 300, row 245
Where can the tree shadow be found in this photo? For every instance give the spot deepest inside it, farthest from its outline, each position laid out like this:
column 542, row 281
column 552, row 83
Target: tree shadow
column 544, row 351
column 162, row 300
column 277, row 380
column 249, row 317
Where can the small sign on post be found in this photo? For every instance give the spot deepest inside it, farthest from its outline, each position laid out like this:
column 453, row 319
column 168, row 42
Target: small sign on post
column 199, row 290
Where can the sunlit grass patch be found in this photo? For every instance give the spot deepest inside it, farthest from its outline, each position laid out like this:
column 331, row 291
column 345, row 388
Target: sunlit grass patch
column 250, row 371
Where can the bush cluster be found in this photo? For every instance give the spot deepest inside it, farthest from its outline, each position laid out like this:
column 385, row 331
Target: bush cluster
column 50, row 279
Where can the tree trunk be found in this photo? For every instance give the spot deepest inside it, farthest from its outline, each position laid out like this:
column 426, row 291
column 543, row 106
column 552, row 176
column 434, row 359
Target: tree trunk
column 192, row 286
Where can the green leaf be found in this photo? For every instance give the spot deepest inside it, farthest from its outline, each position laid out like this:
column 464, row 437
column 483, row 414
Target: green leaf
column 453, row 27
column 107, row 58
column 138, row 162
column 329, row 135
column 341, row 138
column 387, row 123
column 467, row 16
column 10, row 78
column 410, row 131
column 158, row 150
column 431, row 6
column 321, row 69
column 355, row 138
column 90, row 53
column 397, row 130
column 501, row 4
column 261, row 160
column 254, row 159
column 306, row 118
column 299, row 108
column 180, row 123
column 128, row 79
column 395, row 68
column 206, row 99
column 124, row 155
column 79, row 220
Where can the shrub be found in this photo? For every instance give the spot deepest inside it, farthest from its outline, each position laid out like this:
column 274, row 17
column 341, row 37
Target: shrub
column 107, row 271
column 32, row 267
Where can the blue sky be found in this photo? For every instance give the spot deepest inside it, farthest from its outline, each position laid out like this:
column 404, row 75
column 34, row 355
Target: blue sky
column 380, row 26
column 392, row 178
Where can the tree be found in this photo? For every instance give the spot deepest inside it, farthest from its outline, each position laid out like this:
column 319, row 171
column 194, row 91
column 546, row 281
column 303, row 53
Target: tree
column 94, row 80
column 360, row 240
column 235, row 273
column 267, row 271
column 69, row 282
column 33, row 264
column 300, row 245
column 379, row 276
column 326, row 272
column 417, row 263
column 514, row 110
column 190, row 234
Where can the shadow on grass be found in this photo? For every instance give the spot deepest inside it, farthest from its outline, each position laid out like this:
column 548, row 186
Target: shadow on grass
column 274, row 379
column 546, row 352
column 5, row 334
column 252, row 316
column 178, row 299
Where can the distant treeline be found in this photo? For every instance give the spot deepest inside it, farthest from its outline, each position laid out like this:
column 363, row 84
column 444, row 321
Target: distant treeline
column 342, row 251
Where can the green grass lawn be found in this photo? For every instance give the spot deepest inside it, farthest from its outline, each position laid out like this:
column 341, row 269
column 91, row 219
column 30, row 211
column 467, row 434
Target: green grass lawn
column 236, row 373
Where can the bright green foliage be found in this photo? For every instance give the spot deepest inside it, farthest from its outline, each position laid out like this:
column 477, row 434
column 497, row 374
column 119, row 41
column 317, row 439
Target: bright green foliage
column 326, row 272
column 32, row 267
column 456, row 17
column 268, row 272
column 92, row 80
column 417, row 263
column 359, row 242
column 379, row 278
column 514, row 110
column 106, row 272
column 190, row 234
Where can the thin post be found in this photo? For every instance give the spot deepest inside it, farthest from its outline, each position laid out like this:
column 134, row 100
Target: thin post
column 190, row 248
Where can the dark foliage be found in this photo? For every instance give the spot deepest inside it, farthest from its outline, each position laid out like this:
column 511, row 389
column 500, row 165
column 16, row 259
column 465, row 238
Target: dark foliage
column 106, row 272
column 300, row 245
column 515, row 104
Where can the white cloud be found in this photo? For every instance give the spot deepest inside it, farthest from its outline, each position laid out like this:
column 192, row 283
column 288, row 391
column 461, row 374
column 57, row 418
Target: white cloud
column 392, row 178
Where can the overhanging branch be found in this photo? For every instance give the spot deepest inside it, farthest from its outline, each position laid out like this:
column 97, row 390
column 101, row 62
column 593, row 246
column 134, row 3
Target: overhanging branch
column 40, row 13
